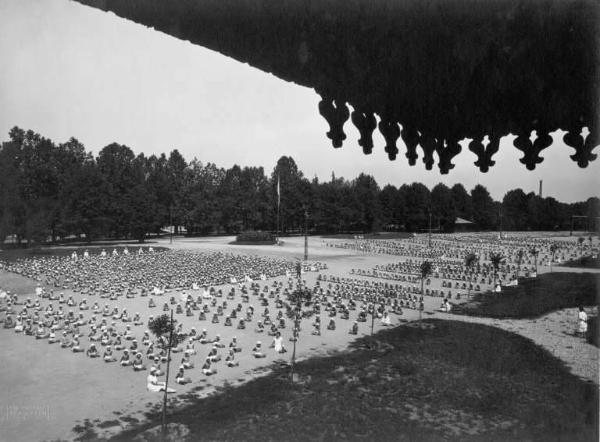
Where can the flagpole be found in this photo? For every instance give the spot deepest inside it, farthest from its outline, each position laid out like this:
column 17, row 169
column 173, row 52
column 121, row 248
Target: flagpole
column 278, row 204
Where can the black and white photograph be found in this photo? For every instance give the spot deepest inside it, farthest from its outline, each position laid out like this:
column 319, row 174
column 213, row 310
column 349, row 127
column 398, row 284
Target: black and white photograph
column 299, row 220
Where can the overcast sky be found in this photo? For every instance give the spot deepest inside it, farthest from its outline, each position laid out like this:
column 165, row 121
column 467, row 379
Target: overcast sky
column 70, row 70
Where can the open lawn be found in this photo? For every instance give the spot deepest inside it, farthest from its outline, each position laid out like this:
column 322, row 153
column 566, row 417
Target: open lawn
column 586, row 262
column 534, row 297
column 592, row 335
column 448, row 381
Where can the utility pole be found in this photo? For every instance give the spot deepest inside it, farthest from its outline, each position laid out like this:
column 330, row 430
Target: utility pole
column 571, row 234
column 305, row 234
column 500, row 225
column 164, row 410
column 429, row 228
column 171, row 222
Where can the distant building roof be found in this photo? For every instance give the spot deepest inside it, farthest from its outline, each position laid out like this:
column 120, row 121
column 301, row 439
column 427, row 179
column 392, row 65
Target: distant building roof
column 463, row 221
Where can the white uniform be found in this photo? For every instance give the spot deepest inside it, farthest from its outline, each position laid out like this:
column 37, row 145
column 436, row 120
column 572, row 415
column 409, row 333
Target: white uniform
column 582, row 318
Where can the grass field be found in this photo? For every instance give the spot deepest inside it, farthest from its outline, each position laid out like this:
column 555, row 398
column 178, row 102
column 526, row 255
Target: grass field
column 535, row 297
column 586, row 262
column 449, row 381
column 593, row 331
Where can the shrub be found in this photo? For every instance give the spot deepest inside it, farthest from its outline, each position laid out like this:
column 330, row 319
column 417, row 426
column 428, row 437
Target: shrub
column 253, row 236
column 592, row 333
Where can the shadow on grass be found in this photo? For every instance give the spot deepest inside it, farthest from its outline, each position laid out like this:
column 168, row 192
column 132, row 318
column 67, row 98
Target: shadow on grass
column 535, row 297
column 451, row 381
column 593, row 331
column 586, row 262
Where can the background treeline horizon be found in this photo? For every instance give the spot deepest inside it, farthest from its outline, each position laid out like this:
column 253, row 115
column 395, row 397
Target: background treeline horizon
column 52, row 191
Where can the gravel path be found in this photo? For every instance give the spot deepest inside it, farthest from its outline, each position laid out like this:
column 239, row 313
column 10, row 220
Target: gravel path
column 555, row 333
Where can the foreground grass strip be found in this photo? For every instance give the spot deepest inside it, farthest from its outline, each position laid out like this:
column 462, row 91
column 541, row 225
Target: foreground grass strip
column 451, row 381
column 588, row 262
column 535, row 297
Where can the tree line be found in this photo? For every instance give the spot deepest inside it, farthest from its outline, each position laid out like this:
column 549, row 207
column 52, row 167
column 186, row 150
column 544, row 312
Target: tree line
column 49, row 192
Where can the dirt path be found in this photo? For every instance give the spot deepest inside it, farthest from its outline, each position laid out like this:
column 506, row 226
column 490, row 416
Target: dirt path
column 555, row 333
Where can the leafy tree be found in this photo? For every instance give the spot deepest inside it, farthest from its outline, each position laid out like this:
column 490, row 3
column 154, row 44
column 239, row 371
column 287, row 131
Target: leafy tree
column 483, row 207
column 520, row 254
column 299, row 298
column 425, row 270
column 417, row 200
column 496, row 259
column 288, row 175
column 553, row 250
column 534, row 252
column 174, row 170
column 580, row 240
column 443, row 207
column 462, row 201
column 163, row 327
column 515, row 205
column 366, row 192
column 471, row 260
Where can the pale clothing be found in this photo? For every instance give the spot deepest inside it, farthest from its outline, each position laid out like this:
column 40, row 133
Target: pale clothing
column 278, row 343
column 151, row 383
column 582, row 318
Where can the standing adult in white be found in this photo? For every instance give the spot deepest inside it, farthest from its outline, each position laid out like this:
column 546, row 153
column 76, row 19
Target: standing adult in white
column 582, row 320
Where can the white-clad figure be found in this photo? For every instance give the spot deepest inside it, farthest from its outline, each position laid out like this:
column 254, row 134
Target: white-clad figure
column 86, row 254
column 153, row 385
column 39, row 291
column 386, row 319
column 151, row 249
column 114, row 252
column 103, row 253
column 582, row 320
column 278, row 343
column 126, row 251
column 74, row 256
column 140, row 251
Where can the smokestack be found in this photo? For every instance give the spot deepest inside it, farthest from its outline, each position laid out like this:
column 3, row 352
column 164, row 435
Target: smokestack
column 540, row 188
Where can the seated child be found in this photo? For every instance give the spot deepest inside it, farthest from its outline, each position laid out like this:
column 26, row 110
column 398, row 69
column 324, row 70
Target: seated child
column 180, row 377
column 138, row 363
column 92, row 351
column 186, row 362
column 233, row 345
column 125, row 360
column 76, row 347
column 108, row 355
column 213, row 355
column 230, row 359
column 206, row 368
column 257, row 351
